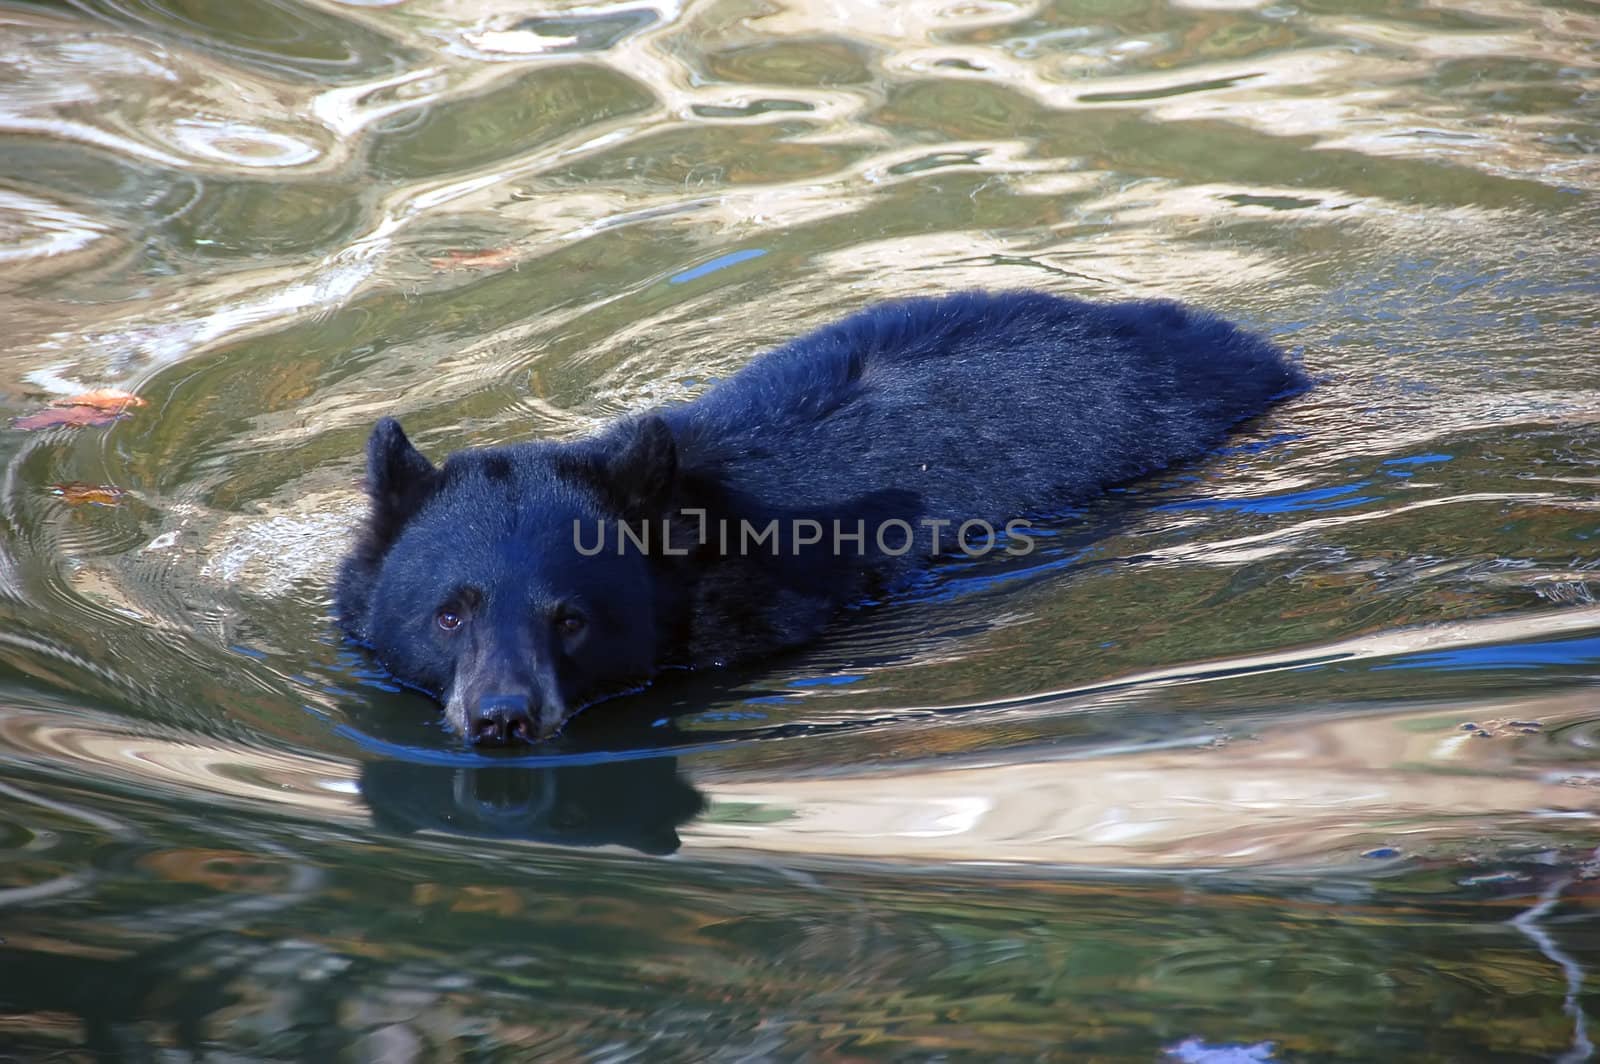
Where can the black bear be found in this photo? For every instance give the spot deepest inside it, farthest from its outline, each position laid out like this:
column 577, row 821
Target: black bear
column 520, row 584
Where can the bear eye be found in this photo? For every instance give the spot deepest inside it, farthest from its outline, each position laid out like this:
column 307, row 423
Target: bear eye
column 449, row 620
column 570, row 624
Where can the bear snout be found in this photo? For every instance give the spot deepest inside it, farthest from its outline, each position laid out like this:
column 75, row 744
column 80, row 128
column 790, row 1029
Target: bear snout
column 506, row 720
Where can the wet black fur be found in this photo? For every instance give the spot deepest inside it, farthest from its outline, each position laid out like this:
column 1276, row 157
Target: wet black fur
column 975, row 405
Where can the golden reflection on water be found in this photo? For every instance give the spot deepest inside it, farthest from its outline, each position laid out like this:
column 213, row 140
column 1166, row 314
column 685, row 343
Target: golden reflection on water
column 1287, row 794
column 1300, row 797
column 856, row 84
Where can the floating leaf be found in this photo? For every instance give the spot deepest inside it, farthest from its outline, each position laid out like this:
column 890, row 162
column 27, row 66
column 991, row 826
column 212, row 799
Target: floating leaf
column 77, row 416
column 110, row 399
column 471, row 260
column 78, row 493
column 99, row 407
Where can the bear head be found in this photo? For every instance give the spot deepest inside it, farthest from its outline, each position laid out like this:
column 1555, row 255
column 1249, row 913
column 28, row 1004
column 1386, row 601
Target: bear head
column 468, row 583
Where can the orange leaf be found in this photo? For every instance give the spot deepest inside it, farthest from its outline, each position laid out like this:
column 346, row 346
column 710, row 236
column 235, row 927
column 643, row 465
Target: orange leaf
column 78, row 493
column 76, row 416
column 470, row 260
column 102, row 399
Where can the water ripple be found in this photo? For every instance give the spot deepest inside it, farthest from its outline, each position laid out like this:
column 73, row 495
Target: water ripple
column 281, row 224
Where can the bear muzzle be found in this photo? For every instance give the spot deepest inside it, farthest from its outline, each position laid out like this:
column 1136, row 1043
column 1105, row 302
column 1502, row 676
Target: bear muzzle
column 501, row 720
column 511, row 720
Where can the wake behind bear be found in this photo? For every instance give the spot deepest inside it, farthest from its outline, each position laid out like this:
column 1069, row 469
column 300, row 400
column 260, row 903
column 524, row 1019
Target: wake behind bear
column 522, row 584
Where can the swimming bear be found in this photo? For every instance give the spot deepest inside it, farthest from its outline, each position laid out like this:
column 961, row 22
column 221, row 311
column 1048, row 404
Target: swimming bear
column 520, row 584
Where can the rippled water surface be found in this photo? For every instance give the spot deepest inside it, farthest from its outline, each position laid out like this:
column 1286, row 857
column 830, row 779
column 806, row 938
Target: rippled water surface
column 1291, row 755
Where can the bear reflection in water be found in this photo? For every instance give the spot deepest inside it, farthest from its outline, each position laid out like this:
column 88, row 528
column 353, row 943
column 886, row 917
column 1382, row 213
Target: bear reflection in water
column 638, row 804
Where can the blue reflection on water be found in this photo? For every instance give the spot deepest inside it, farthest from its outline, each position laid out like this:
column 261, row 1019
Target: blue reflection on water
column 1335, row 498
column 721, row 262
column 1584, row 651
column 1419, row 459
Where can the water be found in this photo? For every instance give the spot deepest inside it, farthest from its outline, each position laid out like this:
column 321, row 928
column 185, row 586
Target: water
column 1288, row 756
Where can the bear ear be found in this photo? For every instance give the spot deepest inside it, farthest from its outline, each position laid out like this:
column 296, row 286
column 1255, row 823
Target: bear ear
column 399, row 479
column 640, row 471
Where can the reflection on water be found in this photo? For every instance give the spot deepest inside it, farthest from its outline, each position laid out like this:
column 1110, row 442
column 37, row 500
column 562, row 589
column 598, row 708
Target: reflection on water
column 1288, row 755
column 637, row 804
column 257, row 944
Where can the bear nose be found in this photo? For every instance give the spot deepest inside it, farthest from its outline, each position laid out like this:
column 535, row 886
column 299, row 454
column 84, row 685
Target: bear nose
column 503, row 720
